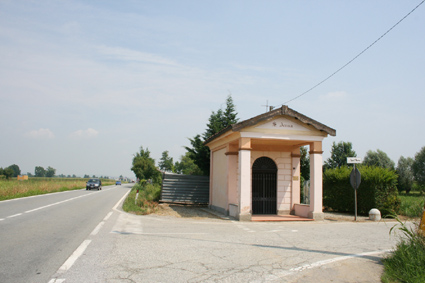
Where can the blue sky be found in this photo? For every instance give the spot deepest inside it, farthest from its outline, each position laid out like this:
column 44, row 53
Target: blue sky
column 84, row 84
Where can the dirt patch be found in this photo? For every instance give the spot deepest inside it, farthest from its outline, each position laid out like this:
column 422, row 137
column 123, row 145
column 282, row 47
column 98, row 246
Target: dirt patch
column 185, row 211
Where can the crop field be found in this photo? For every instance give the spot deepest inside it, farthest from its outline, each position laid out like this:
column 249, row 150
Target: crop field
column 10, row 189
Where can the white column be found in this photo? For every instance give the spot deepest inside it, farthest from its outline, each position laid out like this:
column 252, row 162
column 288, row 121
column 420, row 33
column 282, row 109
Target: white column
column 316, row 186
column 232, row 183
column 244, row 182
column 296, row 181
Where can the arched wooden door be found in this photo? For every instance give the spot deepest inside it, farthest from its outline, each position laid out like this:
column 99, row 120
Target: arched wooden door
column 264, row 186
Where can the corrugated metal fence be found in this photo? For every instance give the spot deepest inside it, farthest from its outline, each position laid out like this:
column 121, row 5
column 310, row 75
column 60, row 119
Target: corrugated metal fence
column 178, row 188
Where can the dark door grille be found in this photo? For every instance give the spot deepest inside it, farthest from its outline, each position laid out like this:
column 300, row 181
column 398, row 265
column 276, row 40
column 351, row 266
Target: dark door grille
column 264, row 186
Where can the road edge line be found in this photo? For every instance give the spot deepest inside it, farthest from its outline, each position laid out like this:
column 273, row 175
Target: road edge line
column 73, row 258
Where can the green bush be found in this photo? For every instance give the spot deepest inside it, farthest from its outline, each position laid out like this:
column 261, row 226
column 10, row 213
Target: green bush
column 378, row 189
column 147, row 200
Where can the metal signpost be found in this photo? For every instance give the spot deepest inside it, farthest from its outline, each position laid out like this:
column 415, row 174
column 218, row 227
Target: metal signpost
column 355, row 180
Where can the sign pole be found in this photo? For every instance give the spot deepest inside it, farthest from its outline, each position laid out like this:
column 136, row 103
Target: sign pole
column 355, row 180
column 355, row 194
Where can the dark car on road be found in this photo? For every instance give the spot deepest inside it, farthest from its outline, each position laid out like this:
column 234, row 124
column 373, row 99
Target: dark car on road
column 118, row 183
column 94, row 184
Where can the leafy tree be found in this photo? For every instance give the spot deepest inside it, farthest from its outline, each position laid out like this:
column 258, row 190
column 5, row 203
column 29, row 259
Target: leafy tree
column 230, row 114
column 187, row 166
column 86, row 176
column 405, row 174
column 6, row 172
column 305, row 163
column 200, row 154
column 74, row 176
column 166, row 162
column 16, row 170
column 218, row 121
column 378, row 159
column 29, row 174
column 418, row 167
column 144, row 166
column 39, row 171
column 339, row 154
column 50, row 172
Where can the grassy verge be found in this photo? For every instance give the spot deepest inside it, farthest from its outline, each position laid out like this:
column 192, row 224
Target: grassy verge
column 10, row 189
column 411, row 204
column 406, row 263
column 147, row 201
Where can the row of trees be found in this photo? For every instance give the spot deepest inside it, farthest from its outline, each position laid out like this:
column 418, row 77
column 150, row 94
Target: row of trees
column 10, row 171
column 39, row 171
column 409, row 170
column 196, row 160
column 14, row 171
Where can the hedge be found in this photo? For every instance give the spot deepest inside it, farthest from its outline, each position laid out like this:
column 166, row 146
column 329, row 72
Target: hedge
column 378, row 189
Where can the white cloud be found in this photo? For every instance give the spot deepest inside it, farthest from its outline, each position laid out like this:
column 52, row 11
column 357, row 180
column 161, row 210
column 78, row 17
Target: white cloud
column 40, row 134
column 85, row 134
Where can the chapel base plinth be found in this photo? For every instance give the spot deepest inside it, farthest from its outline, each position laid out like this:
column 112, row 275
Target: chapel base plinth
column 245, row 217
column 319, row 216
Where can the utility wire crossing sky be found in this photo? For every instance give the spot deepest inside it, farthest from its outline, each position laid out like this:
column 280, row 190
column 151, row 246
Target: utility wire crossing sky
column 358, row 55
column 84, row 84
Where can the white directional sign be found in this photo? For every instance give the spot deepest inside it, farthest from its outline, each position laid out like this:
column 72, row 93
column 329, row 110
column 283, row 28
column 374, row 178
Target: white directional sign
column 351, row 160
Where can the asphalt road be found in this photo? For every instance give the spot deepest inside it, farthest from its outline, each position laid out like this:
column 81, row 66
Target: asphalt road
column 130, row 248
column 38, row 234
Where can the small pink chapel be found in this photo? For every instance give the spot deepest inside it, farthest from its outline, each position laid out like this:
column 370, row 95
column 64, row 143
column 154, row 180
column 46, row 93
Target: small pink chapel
column 255, row 166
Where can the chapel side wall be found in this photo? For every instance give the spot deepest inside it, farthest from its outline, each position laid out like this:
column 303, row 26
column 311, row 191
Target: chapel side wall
column 219, row 182
column 283, row 162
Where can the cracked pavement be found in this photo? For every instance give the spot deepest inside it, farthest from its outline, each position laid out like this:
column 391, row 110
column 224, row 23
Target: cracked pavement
column 154, row 248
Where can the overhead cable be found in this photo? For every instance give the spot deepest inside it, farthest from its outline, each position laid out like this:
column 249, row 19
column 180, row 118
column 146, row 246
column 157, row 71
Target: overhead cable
column 358, row 55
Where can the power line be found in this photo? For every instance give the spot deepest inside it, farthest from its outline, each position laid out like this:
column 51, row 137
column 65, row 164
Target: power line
column 358, row 55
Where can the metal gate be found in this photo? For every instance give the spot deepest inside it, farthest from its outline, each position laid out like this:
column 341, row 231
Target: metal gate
column 264, row 186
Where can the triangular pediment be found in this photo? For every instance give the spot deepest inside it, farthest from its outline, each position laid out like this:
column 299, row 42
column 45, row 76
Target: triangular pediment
column 282, row 123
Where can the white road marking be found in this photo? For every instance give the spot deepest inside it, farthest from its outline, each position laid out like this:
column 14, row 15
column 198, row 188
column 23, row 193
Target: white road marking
column 55, row 280
column 80, row 250
column 116, row 205
column 327, row 261
column 49, row 205
column 11, row 216
column 107, row 216
column 36, row 196
column 73, row 258
column 98, row 227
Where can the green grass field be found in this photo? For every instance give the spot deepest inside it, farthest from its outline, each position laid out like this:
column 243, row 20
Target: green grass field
column 10, row 189
column 412, row 204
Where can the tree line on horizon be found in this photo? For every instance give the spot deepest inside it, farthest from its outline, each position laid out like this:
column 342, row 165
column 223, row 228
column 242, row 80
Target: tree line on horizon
column 14, row 171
